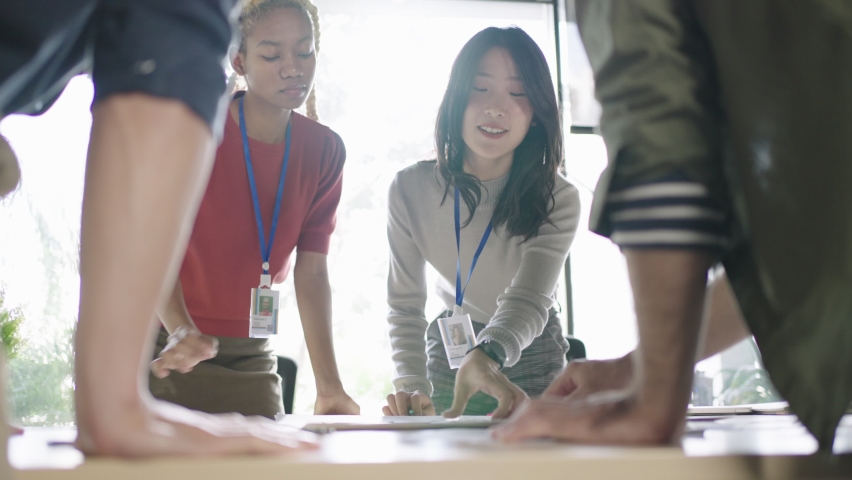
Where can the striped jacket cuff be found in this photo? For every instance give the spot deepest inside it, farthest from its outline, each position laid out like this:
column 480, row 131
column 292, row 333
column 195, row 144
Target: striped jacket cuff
column 669, row 213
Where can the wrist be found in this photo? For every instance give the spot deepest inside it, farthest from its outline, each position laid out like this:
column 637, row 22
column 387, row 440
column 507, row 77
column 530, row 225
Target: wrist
column 184, row 331
column 669, row 390
column 188, row 328
column 173, row 322
column 493, row 351
column 329, row 388
column 626, row 366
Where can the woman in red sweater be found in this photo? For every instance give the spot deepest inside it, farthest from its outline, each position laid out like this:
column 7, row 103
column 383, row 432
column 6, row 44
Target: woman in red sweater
column 275, row 187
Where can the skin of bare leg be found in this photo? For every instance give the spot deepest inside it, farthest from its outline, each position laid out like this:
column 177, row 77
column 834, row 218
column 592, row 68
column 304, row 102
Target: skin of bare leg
column 10, row 171
column 149, row 160
column 669, row 289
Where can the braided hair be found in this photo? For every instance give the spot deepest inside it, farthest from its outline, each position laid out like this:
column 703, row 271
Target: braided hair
column 253, row 11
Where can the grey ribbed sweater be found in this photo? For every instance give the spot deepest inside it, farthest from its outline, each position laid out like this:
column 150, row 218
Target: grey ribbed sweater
column 512, row 287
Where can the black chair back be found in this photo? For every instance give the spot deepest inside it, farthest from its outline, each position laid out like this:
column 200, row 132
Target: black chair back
column 576, row 350
column 287, row 371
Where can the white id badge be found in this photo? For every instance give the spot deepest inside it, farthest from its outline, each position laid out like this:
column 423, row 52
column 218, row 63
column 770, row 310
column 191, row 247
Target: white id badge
column 264, row 313
column 457, row 333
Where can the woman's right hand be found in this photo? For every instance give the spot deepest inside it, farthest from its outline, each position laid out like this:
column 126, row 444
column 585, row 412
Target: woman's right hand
column 186, row 348
column 404, row 403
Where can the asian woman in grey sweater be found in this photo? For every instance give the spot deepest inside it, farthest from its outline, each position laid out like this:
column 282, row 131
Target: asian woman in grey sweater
column 499, row 156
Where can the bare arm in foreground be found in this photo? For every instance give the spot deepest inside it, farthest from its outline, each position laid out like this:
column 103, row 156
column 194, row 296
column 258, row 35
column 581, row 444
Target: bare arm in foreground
column 148, row 163
column 645, row 404
column 725, row 327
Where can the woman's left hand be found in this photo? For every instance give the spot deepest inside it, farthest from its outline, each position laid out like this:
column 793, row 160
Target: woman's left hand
column 479, row 373
column 336, row 404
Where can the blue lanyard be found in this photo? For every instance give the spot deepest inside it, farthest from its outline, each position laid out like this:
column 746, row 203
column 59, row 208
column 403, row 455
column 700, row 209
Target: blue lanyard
column 265, row 247
column 459, row 288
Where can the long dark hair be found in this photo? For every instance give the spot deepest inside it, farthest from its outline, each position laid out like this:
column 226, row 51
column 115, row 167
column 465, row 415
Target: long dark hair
column 527, row 200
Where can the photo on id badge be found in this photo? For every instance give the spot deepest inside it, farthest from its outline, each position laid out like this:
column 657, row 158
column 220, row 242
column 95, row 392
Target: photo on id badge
column 264, row 312
column 457, row 333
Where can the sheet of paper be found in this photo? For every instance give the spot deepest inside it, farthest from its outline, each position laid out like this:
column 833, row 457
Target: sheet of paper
column 330, row 423
column 773, row 408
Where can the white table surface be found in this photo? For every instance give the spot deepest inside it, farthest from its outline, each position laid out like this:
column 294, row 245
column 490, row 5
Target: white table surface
column 754, row 446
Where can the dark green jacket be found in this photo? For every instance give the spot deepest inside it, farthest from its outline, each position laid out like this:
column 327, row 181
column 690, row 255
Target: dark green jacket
column 752, row 98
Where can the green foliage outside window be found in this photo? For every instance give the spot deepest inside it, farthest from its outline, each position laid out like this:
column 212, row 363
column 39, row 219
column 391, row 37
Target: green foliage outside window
column 40, row 349
column 10, row 326
column 41, row 387
column 746, row 385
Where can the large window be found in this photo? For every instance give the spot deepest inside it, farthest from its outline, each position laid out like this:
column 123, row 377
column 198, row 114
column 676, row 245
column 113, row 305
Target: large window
column 39, row 241
column 383, row 68
column 603, row 316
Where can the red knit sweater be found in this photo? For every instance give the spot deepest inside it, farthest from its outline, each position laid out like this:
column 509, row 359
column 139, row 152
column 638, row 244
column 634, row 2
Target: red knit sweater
column 223, row 262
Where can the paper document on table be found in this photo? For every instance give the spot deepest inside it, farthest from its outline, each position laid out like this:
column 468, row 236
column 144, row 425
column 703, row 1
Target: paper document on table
column 772, row 408
column 331, row 423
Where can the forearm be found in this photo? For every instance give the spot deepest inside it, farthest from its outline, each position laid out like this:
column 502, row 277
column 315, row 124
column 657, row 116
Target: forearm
column 523, row 309
column 173, row 313
column 406, row 293
column 313, row 296
column 407, row 327
column 148, row 164
column 668, row 288
column 520, row 318
column 408, row 351
column 725, row 325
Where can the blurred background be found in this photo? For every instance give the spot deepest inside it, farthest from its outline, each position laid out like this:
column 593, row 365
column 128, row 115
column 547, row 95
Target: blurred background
column 383, row 67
